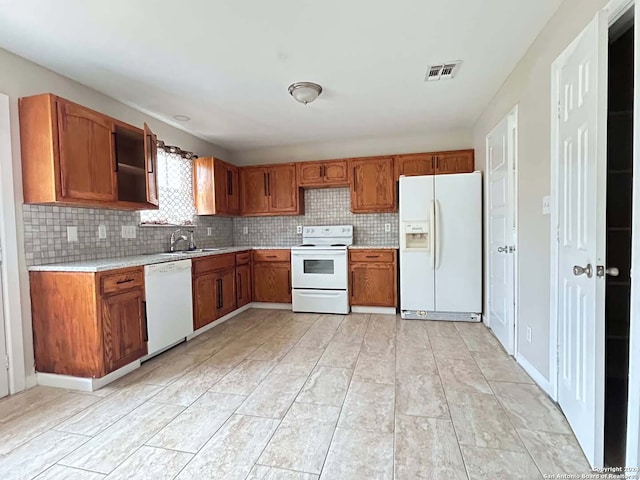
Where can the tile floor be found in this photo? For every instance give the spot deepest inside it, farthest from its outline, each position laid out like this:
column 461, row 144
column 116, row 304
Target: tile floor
column 275, row 395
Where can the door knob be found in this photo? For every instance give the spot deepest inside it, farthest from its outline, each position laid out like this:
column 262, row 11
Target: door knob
column 578, row 270
column 601, row 271
column 502, row 249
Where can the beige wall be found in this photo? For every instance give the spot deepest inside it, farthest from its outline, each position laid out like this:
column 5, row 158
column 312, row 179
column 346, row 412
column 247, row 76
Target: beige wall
column 529, row 86
column 20, row 77
column 359, row 147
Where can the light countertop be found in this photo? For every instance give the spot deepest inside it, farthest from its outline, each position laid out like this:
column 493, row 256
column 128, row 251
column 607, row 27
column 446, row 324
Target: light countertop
column 114, row 263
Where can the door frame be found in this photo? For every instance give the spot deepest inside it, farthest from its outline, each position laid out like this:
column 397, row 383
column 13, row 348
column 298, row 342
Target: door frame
column 11, row 266
column 512, row 122
column 615, row 9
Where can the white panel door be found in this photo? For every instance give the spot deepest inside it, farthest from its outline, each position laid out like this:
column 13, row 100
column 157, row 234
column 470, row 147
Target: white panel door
column 416, row 267
column 458, row 245
column 581, row 196
column 4, row 372
column 501, row 232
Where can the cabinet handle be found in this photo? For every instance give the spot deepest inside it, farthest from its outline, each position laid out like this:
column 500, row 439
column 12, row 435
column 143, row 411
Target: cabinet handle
column 351, row 284
column 289, row 280
column 323, row 171
column 437, row 159
column 268, row 184
column 229, row 183
column 145, row 324
column 373, row 256
column 240, row 286
column 220, row 302
column 264, row 175
column 272, row 256
column 128, row 280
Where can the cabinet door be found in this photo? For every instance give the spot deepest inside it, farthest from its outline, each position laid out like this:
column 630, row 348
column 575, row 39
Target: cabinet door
column 226, row 285
column 253, row 191
column 220, row 187
column 243, row 284
column 283, row 189
column 124, row 327
column 233, row 190
column 272, row 282
column 87, row 157
column 310, row 174
column 335, row 173
column 373, row 186
column 205, row 302
column 373, row 284
column 454, row 162
column 415, row 164
column 151, row 164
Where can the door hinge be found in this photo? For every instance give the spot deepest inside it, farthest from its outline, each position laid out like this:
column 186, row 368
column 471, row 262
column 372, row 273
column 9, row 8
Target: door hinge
column 559, row 109
column 6, row 362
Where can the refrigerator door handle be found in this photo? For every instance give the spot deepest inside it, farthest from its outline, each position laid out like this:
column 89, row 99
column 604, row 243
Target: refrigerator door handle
column 432, row 232
column 436, row 254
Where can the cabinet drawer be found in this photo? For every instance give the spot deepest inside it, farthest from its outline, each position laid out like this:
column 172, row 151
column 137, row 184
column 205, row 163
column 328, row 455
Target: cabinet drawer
column 122, row 280
column 243, row 258
column 271, row 255
column 214, row 262
column 386, row 256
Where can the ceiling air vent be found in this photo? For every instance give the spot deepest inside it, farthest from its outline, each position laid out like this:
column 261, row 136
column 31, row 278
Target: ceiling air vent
column 442, row 71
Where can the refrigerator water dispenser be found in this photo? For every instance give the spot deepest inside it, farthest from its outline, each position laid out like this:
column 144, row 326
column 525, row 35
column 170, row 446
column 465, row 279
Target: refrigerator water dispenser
column 416, row 236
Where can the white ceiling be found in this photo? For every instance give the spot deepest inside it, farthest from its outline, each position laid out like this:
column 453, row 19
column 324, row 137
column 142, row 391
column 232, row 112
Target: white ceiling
column 227, row 64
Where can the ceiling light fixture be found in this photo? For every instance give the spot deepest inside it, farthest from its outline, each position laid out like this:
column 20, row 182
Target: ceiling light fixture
column 182, row 118
column 305, row 92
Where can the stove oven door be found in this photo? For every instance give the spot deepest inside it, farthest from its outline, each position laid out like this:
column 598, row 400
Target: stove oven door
column 319, row 269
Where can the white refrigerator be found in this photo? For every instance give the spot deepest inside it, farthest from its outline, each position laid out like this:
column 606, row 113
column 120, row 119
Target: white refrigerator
column 441, row 247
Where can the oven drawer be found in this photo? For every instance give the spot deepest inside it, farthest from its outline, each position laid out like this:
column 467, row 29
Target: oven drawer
column 320, row 301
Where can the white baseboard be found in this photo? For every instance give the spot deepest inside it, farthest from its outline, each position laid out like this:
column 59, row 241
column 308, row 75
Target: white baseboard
column 31, row 381
column 537, row 377
column 228, row 316
column 272, row 306
column 84, row 384
column 378, row 310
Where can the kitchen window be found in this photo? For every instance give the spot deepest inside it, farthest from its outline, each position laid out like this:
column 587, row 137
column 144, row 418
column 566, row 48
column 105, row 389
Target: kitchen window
column 175, row 191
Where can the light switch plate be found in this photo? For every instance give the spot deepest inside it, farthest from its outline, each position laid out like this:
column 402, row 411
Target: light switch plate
column 299, row 229
column 102, row 232
column 128, row 231
column 387, row 227
column 209, row 231
column 546, row 205
column 72, row 234
column 245, row 230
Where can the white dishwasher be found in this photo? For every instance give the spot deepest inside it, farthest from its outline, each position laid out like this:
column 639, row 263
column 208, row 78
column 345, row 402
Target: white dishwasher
column 169, row 303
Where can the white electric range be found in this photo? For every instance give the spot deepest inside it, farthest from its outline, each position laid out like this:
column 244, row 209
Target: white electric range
column 319, row 270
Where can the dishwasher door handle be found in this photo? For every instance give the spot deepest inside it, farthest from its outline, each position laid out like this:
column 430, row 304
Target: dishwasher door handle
column 145, row 322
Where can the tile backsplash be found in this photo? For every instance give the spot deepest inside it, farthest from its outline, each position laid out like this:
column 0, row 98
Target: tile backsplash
column 45, row 234
column 325, row 206
column 45, row 229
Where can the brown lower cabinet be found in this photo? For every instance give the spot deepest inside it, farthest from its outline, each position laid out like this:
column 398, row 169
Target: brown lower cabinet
column 373, row 277
column 88, row 324
column 272, row 276
column 214, row 288
column 243, row 279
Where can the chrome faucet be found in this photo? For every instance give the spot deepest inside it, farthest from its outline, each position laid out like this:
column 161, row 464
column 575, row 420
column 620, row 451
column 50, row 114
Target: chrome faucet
column 173, row 240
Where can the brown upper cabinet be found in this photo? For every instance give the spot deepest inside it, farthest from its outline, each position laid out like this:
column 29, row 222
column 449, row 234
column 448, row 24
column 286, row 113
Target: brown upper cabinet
column 216, row 189
column 270, row 190
column 435, row 163
column 331, row 173
column 72, row 155
column 373, row 185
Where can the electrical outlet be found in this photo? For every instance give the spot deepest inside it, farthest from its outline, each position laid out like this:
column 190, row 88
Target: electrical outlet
column 72, row 234
column 209, row 231
column 546, row 205
column 529, row 334
column 387, row 227
column 245, row 230
column 128, row 231
column 102, row 232
column 299, row 229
